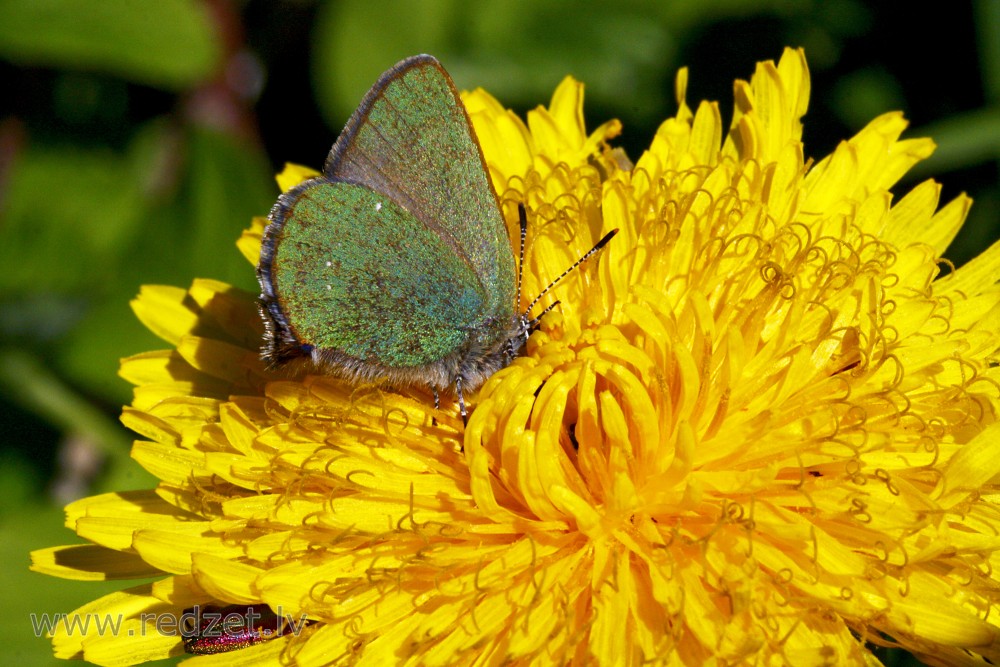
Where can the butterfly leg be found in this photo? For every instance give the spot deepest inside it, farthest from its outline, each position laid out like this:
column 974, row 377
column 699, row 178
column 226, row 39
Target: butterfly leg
column 437, row 398
column 461, row 400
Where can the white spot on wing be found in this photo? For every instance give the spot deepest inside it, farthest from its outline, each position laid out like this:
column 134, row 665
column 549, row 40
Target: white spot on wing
column 329, row 263
column 378, row 206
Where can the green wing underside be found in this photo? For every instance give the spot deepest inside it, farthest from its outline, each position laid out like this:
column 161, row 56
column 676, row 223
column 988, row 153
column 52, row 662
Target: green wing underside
column 356, row 273
column 411, row 139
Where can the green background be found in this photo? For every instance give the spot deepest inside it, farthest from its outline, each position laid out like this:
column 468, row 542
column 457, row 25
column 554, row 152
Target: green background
column 138, row 138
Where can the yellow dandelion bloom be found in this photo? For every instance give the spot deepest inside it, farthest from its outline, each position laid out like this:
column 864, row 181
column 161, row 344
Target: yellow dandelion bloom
column 761, row 428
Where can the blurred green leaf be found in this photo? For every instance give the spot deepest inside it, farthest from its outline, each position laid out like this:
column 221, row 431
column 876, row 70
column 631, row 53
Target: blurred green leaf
column 962, row 140
column 73, row 211
column 227, row 183
column 89, row 354
column 223, row 183
column 70, row 210
column 520, row 50
column 517, row 50
column 97, row 224
column 18, row 482
column 987, row 13
column 166, row 43
column 863, row 95
column 70, row 216
column 24, row 379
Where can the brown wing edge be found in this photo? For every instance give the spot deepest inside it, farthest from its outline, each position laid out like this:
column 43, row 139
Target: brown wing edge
column 281, row 343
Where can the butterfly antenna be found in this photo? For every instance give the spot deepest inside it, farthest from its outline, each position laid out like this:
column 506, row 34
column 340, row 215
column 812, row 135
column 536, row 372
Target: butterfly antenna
column 587, row 255
column 523, row 216
column 532, row 324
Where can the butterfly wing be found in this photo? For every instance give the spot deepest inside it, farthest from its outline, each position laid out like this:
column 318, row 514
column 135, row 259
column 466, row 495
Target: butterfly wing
column 347, row 270
column 411, row 139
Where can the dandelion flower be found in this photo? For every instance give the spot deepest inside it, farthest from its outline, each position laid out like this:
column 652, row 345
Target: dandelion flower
column 759, row 428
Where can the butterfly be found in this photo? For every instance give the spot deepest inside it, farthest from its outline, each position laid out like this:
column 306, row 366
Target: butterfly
column 395, row 264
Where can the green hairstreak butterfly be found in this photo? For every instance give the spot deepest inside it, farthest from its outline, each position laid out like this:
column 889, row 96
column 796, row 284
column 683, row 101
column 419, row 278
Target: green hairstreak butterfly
column 395, row 264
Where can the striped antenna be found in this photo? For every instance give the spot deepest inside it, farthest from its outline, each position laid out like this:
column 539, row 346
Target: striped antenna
column 590, row 253
column 523, row 216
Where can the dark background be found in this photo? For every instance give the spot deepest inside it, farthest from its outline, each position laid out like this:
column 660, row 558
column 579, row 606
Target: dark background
column 138, row 138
